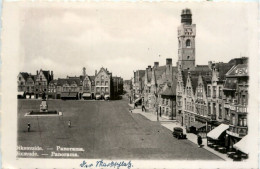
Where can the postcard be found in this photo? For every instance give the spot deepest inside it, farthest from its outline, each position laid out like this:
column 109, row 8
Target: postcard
column 124, row 85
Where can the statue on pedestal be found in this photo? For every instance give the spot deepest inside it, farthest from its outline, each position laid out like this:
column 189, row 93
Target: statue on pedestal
column 44, row 105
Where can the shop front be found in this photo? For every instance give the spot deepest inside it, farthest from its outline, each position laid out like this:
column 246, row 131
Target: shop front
column 216, row 138
column 69, row 95
column 86, row 96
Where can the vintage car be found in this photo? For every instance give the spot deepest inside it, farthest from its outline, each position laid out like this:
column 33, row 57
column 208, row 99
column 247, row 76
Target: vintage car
column 178, row 133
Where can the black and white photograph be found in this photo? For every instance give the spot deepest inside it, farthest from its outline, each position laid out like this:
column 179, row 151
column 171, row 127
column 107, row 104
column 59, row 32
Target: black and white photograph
column 155, row 84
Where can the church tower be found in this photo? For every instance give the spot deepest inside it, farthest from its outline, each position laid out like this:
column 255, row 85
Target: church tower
column 186, row 41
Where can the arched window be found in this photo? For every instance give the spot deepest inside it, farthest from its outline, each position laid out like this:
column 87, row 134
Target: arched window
column 188, row 43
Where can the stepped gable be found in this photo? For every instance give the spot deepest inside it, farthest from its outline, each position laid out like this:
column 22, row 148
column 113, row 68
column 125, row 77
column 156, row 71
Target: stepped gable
column 194, row 83
column 205, row 80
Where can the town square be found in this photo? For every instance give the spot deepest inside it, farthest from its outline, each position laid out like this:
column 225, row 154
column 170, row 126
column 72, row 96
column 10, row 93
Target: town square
column 128, row 85
column 182, row 111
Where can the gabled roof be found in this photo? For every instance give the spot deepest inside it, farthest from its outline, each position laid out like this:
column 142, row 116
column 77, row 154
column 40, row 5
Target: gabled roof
column 54, row 81
column 159, row 71
column 46, row 73
column 223, row 68
column 205, row 80
column 202, row 70
column 25, row 75
column 170, row 89
column 238, row 71
column 92, row 78
column 194, row 83
column 69, row 81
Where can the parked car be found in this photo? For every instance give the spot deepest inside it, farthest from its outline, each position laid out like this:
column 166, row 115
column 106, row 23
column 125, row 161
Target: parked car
column 178, row 133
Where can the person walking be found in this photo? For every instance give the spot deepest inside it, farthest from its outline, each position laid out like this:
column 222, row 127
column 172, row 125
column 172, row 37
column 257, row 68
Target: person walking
column 69, row 124
column 28, row 127
column 199, row 140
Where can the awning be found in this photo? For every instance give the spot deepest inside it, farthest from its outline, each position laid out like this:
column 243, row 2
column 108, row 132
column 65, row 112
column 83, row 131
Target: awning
column 197, row 125
column 216, row 132
column 69, row 94
column 20, row 93
column 86, row 95
column 106, row 96
column 242, row 145
column 98, row 96
column 137, row 100
column 27, row 96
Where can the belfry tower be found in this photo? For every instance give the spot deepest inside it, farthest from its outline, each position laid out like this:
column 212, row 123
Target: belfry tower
column 186, row 41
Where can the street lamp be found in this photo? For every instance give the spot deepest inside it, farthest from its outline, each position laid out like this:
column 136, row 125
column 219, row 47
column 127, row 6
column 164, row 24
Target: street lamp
column 156, row 102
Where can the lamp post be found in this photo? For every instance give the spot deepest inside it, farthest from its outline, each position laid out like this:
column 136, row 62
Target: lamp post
column 156, row 102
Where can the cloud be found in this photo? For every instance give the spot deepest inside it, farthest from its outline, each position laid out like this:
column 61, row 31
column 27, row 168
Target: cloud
column 127, row 38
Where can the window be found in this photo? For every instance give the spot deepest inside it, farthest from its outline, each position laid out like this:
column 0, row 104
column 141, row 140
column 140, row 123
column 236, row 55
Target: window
column 220, row 111
column 214, row 91
column 106, row 89
column 166, row 102
column 243, row 99
column 20, row 78
column 188, row 43
column 97, row 83
column 214, row 108
column 102, row 77
column 167, row 111
column 179, row 44
column 98, row 89
column 220, row 92
column 245, row 122
column 106, row 83
column 209, row 91
column 188, row 57
column 209, row 106
column 233, row 120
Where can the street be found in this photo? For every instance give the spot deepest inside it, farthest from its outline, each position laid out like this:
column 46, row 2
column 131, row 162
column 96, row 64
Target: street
column 105, row 130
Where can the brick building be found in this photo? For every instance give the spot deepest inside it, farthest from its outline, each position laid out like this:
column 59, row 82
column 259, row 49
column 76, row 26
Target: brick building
column 235, row 102
column 69, row 88
column 42, row 81
column 103, row 84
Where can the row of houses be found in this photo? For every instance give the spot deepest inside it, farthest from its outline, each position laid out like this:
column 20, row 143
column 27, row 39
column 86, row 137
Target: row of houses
column 102, row 85
column 199, row 97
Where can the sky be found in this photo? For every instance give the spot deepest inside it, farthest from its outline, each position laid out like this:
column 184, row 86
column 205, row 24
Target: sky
column 125, row 37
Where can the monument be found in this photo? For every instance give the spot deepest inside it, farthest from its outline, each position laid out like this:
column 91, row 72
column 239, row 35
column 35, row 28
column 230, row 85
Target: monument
column 44, row 109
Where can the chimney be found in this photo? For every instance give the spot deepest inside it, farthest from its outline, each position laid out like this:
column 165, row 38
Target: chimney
column 168, row 61
column 37, row 72
column 210, row 64
column 149, row 68
column 156, row 64
column 51, row 75
column 95, row 72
